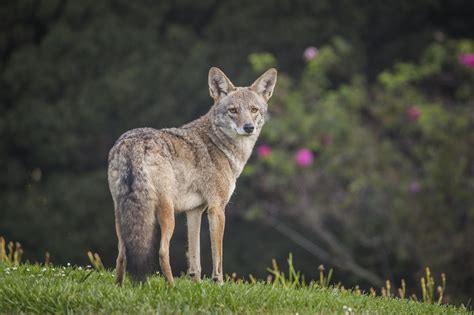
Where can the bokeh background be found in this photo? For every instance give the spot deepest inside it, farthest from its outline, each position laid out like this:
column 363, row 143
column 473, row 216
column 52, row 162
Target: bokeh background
column 365, row 165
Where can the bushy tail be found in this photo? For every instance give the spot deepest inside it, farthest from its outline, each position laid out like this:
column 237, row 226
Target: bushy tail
column 139, row 235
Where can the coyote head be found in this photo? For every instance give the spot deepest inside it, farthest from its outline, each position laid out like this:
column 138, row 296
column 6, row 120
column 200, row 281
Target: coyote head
column 240, row 111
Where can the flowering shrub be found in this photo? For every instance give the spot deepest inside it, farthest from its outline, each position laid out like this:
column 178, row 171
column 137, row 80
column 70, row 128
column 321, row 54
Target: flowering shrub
column 467, row 60
column 389, row 163
column 264, row 151
column 413, row 113
column 310, row 53
column 304, row 157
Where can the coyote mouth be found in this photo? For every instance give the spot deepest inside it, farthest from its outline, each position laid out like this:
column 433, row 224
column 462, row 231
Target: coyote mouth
column 245, row 134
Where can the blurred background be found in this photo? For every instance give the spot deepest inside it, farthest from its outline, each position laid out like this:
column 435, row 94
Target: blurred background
column 366, row 164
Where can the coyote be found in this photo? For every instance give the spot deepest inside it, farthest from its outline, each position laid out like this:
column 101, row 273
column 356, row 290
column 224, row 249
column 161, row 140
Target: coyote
column 154, row 174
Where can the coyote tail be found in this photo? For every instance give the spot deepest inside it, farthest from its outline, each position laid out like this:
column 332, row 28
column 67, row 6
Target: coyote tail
column 137, row 227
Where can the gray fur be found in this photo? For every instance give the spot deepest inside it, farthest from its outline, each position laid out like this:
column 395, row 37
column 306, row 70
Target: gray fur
column 154, row 174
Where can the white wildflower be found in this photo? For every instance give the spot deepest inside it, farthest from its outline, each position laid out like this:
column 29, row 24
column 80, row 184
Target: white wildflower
column 347, row 310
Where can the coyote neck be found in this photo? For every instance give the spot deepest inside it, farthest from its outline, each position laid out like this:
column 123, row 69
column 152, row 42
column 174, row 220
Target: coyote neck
column 237, row 150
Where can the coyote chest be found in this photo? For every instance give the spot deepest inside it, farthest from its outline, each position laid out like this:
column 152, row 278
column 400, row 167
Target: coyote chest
column 188, row 201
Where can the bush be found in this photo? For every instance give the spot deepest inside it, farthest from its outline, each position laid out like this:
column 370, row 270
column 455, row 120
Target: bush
column 387, row 184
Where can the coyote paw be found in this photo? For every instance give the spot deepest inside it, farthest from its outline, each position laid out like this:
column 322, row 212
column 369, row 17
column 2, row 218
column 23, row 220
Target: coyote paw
column 195, row 276
column 218, row 280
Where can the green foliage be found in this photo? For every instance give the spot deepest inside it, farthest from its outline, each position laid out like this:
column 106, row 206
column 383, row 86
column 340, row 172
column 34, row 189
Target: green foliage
column 37, row 290
column 294, row 279
column 95, row 260
column 428, row 288
column 324, row 280
column 391, row 164
column 262, row 62
column 10, row 253
column 74, row 75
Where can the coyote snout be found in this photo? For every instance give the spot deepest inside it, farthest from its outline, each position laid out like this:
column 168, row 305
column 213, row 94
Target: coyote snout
column 155, row 174
column 249, row 128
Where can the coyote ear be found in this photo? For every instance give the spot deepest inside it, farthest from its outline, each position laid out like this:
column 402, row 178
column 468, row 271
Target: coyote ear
column 219, row 84
column 265, row 84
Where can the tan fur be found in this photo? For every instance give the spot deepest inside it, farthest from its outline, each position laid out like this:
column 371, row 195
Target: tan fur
column 154, row 174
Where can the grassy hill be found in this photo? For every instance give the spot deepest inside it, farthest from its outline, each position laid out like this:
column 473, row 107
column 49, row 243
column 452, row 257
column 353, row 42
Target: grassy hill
column 37, row 289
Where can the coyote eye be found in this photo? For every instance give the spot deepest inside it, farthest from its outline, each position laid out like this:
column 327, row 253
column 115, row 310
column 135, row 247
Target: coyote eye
column 254, row 109
column 233, row 110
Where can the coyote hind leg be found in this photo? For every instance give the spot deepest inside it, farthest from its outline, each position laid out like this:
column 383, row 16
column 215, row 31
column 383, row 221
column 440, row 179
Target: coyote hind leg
column 167, row 222
column 120, row 266
column 121, row 258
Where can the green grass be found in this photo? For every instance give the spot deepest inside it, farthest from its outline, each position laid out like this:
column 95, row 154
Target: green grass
column 37, row 289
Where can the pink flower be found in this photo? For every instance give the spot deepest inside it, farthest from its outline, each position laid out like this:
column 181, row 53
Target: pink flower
column 414, row 187
column 466, row 60
column 413, row 113
column 304, row 157
column 264, row 151
column 310, row 53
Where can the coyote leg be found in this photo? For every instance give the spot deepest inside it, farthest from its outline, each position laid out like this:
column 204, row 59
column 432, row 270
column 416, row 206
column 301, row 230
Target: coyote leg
column 216, row 226
column 193, row 218
column 166, row 220
column 121, row 259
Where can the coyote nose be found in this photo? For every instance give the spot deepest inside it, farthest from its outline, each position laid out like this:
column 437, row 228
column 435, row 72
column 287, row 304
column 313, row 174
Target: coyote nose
column 249, row 128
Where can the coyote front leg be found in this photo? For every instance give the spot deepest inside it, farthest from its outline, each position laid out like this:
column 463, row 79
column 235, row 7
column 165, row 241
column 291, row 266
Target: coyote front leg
column 193, row 218
column 216, row 227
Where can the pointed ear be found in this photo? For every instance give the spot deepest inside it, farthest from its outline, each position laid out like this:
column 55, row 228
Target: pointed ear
column 219, row 83
column 265, row 84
